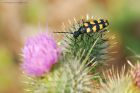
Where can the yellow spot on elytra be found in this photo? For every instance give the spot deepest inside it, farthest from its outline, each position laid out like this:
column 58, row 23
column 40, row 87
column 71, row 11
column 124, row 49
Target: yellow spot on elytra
column 94, row 28
column 106, row 24
column 99, row 21
column 85, row 24
column 91, row 22
column 101, row 26
column 88, row 30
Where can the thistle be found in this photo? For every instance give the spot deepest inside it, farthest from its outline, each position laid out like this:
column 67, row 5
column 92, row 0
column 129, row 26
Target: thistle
column 85, row 41
column 40, row 53
column 136, row 75
column 69, row 76
column 73, row 77
column 118, row 82
column 71, row 45
column 73, row 72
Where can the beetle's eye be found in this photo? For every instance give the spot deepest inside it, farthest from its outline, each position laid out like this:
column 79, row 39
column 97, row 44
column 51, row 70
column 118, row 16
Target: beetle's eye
column 82, row 30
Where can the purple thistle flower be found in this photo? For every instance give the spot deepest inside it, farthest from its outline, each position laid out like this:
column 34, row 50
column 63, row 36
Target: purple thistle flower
column 136, row 75
column 39, row 54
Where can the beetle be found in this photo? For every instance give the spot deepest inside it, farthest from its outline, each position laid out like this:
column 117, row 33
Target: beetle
column 90, row 26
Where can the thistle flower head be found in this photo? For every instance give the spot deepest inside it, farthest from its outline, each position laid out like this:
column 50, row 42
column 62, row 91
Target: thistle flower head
column 118, row 82
column 84, row 40
column 70, row 77
column 136, row 75
column 39, row 54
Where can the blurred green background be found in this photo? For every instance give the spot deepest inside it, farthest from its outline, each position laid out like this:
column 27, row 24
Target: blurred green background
column 21, row 18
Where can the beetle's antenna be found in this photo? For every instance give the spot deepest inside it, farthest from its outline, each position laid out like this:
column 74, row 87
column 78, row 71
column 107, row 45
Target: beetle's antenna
column 64, row 32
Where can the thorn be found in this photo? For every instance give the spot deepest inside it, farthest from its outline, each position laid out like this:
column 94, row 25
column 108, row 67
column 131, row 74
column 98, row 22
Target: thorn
column 82, row 17
column 92, row 17
column 87, row 16
column 130, row 64
column 75, row 20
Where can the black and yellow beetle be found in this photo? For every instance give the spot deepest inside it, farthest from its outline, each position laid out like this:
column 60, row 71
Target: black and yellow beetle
column 90, row 26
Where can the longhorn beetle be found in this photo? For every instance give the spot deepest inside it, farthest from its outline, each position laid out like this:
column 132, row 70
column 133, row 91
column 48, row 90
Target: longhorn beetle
column 90, row 26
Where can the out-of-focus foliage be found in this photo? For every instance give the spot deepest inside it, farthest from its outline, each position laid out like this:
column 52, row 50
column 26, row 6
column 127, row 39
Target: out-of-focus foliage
column 35, row 12
column 8, row 72
column 6, row 57
column 126, row 21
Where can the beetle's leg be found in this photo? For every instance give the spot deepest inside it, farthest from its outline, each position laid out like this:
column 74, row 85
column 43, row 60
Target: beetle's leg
column 102, row 31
